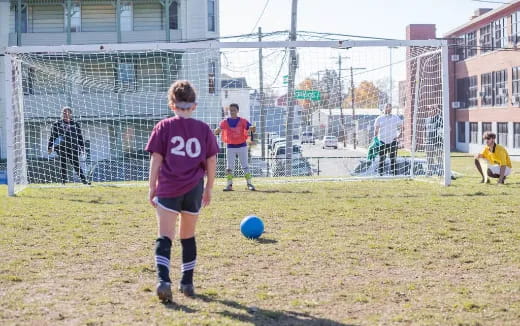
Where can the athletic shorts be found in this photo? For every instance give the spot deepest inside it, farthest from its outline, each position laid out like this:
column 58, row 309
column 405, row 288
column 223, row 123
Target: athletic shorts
column 189, row 203
column 495, row 169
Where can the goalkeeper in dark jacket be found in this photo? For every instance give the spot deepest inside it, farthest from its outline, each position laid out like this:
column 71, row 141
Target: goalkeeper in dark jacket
column 67, row 141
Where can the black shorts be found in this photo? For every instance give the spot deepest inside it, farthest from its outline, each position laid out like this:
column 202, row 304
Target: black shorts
column 190, row 202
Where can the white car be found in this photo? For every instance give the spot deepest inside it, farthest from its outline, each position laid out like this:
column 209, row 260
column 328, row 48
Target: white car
column 330, row 141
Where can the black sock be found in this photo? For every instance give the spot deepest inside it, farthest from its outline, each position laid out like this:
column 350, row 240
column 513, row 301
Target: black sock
column 163, row 247
column 189, row 256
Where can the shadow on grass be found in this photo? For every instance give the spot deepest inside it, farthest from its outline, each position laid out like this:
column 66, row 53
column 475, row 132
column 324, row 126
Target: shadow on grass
column 275, row 191
column 257, row 316
column 265, row 241
column 178, row 307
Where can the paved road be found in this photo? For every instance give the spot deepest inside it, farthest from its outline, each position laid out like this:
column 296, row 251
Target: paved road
column 328, row 162
column 332, row 162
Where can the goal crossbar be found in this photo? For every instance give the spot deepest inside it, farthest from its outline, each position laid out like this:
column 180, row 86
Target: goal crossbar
column 225, row 45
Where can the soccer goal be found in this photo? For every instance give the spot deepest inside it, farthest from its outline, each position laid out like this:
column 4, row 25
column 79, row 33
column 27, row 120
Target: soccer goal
column 324, row 101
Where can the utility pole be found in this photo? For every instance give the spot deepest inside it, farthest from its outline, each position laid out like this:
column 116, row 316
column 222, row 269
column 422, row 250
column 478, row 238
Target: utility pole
column 262, row 107
column 290, row 93
column 342, row 117
column 353, row 97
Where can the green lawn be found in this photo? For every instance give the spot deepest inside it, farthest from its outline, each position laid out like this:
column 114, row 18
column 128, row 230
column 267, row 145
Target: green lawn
column 334, row 253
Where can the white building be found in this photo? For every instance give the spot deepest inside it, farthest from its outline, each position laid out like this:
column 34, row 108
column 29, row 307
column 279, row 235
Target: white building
column 121, row 119
column 236, row 90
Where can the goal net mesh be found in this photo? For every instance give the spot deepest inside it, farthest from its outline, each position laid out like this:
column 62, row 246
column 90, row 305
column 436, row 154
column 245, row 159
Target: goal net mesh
column 342, row 99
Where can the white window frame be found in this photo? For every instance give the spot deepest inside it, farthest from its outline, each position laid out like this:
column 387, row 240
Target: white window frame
column 129, row 25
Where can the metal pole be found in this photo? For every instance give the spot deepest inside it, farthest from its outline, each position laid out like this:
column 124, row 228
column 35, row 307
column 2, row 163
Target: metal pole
column 19, row 23
column 9, row 124
column 353, row 97
column 262, row 107
column 118, row 20
column 69, row 21
column 446, row 113
column 391, row 81
column 414, row 115
column 290, row 93
column 341, row 104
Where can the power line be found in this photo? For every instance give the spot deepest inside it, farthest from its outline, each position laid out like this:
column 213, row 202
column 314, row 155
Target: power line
column 260, row 17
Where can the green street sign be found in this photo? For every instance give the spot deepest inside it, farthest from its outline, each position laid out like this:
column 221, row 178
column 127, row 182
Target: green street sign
column 285, row 79
column 307, row 95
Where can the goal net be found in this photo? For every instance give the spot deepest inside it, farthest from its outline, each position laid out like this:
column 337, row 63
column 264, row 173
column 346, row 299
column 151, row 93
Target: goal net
column 349, row 109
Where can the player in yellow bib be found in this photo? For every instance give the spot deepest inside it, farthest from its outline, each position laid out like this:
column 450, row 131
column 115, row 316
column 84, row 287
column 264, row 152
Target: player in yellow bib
column 499, row 163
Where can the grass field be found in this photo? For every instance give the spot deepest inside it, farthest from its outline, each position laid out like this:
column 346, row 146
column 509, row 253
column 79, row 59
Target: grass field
column 334, row 253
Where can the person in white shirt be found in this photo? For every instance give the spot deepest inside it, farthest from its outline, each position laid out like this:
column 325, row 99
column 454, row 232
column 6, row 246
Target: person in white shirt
column 388, row 129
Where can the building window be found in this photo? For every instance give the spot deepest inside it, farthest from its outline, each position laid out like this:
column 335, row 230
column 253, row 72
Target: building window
column 211, row 16
column 473, row 132
column 486, row 127
column 499, row 29
column 502, row 133
column 174, row 15
column 516, row 135
column 212, row 73
column 500, row 82
column 471, row 44
column 463, row 92
column 467, row 92
column 473, row 91
column 486, row 93
column 126, row 76
column 486, row 38
column 126, row 17
column 75, row 18
column 515, row 27
column 515, row 77
column 461, row 128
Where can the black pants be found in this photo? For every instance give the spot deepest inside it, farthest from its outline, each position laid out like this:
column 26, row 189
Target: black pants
column 391, row 149
column 72, row 156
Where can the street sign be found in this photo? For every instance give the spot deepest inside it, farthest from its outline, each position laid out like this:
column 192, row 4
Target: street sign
column 286, row 79
column 301, row 94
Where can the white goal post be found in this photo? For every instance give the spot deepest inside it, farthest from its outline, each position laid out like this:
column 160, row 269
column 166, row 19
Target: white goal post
column 117, row 93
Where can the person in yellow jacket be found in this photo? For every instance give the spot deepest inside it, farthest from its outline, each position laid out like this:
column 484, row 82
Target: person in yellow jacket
column 499, row 163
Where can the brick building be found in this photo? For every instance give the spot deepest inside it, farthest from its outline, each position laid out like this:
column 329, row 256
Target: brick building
column 484, row 77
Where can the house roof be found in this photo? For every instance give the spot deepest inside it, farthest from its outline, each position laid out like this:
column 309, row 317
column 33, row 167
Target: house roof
column 479, row 19
column 234, row 83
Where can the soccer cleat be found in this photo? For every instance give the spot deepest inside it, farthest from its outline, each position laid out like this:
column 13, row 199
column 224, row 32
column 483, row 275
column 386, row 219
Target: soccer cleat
column 164, row 292
column 85, row 182
column 229, row 187
column 249, row 184
column 187, row 289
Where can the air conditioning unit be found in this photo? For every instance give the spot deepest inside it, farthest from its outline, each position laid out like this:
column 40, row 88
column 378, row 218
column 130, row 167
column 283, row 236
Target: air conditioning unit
column 513, row 39
column 455, row 105
column 515, row 100
column 502, row 92
column 482, row 94
column 455, row 57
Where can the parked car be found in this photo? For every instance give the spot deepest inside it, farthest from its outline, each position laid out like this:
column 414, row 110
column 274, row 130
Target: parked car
column 330, row 141
column 308, row 138
column 300, row 167
column 280, row 151
column 273, row 143
column 367, row 168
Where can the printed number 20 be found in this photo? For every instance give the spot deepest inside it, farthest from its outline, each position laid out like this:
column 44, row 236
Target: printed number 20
column 191, row 147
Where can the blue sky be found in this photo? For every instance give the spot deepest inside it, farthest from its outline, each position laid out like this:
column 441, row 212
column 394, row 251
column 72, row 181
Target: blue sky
column 381, row 18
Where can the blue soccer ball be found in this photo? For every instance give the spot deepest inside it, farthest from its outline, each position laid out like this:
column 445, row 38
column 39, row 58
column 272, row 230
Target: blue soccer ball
column 252, row 227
